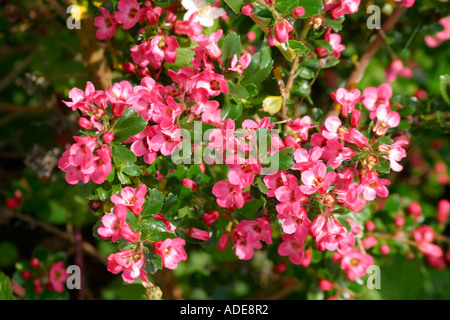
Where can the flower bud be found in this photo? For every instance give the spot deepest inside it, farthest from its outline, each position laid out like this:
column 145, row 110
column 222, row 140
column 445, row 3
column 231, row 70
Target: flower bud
column 370, row 225
column 414, row 209
column 247, row 9
column 443, row 210
column 189, row 183
column 84, row 123
column 129, row 67
column 369, row 242
column 298, row 12
column 399, row 222
column 281, row 32
column 108, row 137
column 430, row 249
column 198, row 234
column 326, row 285
column 209, row 217
column 384, row 249
column 223, row 241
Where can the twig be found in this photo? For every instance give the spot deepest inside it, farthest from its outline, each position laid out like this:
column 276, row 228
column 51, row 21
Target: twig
column 86, row 246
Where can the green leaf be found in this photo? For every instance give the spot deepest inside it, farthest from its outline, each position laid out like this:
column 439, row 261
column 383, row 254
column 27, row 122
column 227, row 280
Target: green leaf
column 6, row 292
column 384, row 167
column 312, row 7
column 259, row 68
column 129, row 124
column 152, row 261
column 153, row 205
column 152, row 225
column 237, row 91
column 231, row 45
column 133, row 171
column 343, row 221
column 122, row 155
column 184, row 57
column 444, row 81
column 231, row 110
column 235, row 5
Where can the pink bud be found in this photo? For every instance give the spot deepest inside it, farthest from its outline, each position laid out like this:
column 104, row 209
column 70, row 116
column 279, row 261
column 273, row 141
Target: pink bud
column 370, row 225
column 129, row 67
column 280, row 267
column 223, row 241
column 298, row 12
column 251, row 36
column 84, row 123
column 424, row 234
column 399, row 222
column 336, row 257
column 271, row 40
column 189, row 183
column 247, row 9
column 414, row 209
column 430, row 249
column 443, row 210
column 198, row 234
column 369, row 242
column 384, row 249
column 307, row 259
column 355, row 118
column 326, row 285
column 281, row 32
column 108, row 137
column 209, row 217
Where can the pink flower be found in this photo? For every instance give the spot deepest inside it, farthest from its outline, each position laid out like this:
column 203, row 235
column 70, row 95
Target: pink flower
column 395, row 69
column 81, row 99
column 281, row 32
column 57, row 276
column 373, row 98
column 209, row 44
column 385, row 120
column 347, row 99
column 373, row 186
column 129, row 263
column 301, row 126
column 330, row 235
column 120, row 95
column 334, row 40
column 102, row 165
column 335, row 153
column 291, row 198
column 214, row 83
column 128, row 13
column 244, row 249
column 293, row 248
column 394, row 153
column 142, row 144
column 171, row 251
column 356, row 137
column 256, row 230
column 345, row 7
column 441, row 36
column 355, row 264
column 106, row 24
column 223, row 241
column 228, row 195
column 243, row 63
column 317, row 179
column 369, row 242
column 188, row 27
column 407, row 3
column 131, row 199
column 306, row 159
column 114, row 226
